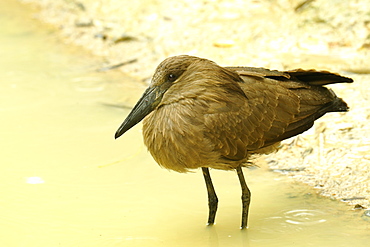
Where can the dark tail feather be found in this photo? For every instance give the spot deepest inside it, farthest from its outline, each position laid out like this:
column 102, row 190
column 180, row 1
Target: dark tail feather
column 318, row 78
column 338, row 105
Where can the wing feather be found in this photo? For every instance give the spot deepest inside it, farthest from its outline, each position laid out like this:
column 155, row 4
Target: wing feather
column 276, row 106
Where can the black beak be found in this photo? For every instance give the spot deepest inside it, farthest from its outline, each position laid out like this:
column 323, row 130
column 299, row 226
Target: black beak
column 147, row 103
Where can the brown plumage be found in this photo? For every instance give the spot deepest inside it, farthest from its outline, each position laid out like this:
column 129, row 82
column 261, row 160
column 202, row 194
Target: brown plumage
column 198, row 114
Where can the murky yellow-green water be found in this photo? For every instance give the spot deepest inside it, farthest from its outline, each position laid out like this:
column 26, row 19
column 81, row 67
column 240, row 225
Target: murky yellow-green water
column 61, row 184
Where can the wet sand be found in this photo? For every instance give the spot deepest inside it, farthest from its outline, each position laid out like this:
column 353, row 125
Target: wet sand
column 333, row 157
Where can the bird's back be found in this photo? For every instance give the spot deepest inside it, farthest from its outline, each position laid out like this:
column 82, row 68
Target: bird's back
column 296, row 98
column 277, row 105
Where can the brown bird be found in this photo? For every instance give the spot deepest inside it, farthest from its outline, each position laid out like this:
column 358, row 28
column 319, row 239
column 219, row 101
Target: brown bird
column 199, row 114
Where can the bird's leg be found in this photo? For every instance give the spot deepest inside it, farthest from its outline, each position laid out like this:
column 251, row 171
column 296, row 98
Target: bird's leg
column 246, row 197
column 212, row 197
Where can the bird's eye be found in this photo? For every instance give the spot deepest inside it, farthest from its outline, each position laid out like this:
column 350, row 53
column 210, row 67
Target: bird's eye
column 171, row 77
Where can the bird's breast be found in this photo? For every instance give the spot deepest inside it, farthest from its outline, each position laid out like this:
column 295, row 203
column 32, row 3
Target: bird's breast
column 174, row 135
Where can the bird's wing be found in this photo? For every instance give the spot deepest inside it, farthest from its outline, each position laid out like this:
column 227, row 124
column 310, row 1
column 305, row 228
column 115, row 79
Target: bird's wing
column 276, row 106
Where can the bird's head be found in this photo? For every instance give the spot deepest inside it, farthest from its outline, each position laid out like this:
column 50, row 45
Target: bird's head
column 176, row 72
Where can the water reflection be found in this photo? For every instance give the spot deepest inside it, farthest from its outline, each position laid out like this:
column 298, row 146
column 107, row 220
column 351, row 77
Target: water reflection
column 34, row 180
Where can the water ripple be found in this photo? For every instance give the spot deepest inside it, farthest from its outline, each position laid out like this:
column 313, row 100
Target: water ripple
column 305, row 217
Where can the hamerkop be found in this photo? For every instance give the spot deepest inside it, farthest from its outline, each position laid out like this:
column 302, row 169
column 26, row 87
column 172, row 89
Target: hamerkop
column 199, row 114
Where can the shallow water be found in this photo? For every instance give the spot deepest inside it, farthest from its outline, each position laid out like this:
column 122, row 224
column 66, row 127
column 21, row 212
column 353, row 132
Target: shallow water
column 65, row 181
